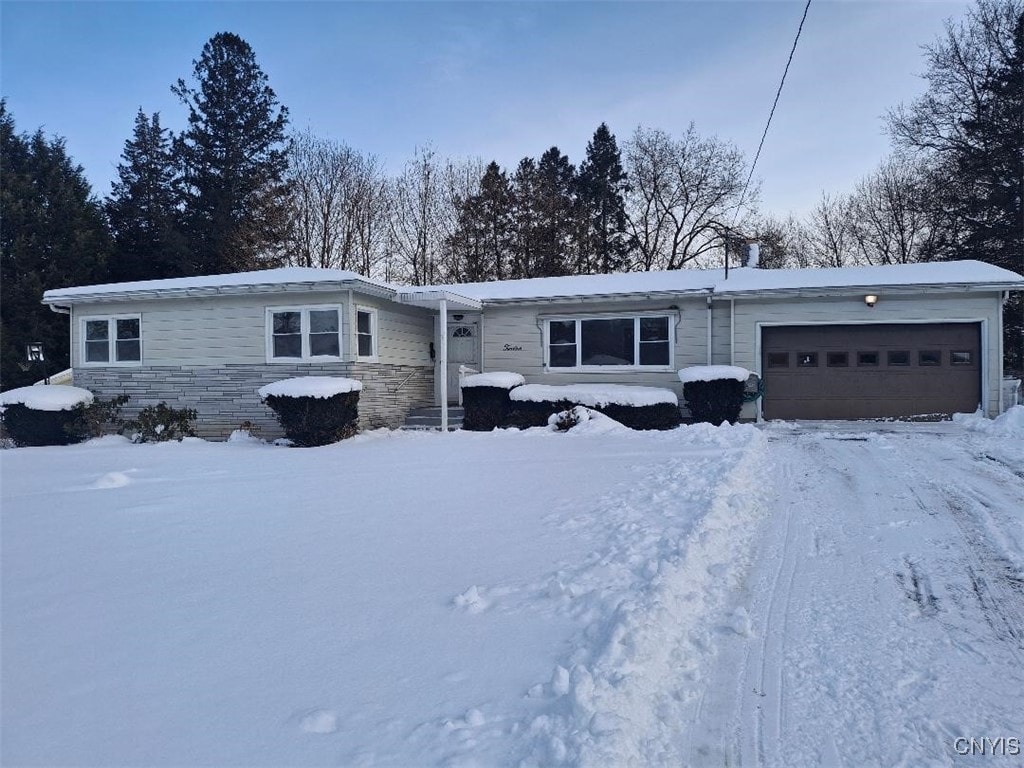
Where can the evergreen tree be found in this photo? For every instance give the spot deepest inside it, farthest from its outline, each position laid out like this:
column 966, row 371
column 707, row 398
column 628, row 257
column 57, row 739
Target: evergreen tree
column 233, row 159
column 969, row 127
column 554, row 208
column 604, row 244
column 143, row 208
column 482, row 244
column 526, row 228
column 53, row 236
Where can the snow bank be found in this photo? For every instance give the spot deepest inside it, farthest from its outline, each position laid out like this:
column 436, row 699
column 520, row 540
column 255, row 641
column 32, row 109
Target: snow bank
column 713, row 373
column 594, row 395
column 1009, row 424
column 42, row 397
column 503, row 379
column 311, row 386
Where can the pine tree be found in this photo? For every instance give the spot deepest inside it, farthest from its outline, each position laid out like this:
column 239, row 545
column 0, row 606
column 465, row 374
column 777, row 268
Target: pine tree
column 53, row 236
column 143, row 208
column 526, row 229
column 604, row 243
column 554, row 207
column 233, row 158
column 482, row 244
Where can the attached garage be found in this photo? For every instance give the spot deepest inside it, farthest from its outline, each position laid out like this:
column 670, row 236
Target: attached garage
column 892, row 370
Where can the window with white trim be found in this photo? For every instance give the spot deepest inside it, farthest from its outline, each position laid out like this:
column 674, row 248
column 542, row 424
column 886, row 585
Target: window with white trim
column 112, row 340
column 304, row 333
column 643, row 341
column 366, row 333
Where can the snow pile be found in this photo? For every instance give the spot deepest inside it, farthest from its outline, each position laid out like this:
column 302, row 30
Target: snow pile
column 657, row 603
column 713, row 373
column 1009, row 424
column 43, row 397
column 310, row 386
column 594, row 395
column 587, row 422
column 503, row 379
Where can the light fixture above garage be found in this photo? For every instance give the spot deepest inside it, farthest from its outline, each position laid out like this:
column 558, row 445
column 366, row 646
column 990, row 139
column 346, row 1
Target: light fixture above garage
column 870, row 300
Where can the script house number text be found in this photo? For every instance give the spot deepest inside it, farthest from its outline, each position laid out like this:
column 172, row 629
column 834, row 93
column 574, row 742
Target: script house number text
column 512, row 348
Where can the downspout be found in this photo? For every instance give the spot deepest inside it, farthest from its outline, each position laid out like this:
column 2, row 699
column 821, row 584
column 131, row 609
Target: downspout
column 442, row 360
column 708, row 354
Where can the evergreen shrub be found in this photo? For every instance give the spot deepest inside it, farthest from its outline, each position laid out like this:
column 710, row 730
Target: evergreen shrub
column 525, row 414
column 160, row 423
column 715, row 401
column 311, row 421
column 486, row 408
column 31, row 427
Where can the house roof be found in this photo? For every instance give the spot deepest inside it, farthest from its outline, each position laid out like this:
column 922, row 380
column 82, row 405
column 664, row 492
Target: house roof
column 950, row 275
column 935, row 276
column 260, row 281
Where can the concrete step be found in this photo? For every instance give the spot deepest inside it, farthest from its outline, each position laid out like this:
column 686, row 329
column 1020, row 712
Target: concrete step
column 454, row 412
column 429, row 419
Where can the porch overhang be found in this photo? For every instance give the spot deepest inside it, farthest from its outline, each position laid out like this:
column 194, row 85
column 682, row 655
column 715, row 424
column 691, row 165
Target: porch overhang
column 432, row 299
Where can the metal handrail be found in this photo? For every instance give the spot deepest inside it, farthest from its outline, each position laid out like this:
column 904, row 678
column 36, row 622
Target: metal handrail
column 463, row 370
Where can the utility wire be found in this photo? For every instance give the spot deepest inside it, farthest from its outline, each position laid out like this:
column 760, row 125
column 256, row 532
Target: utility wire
column 771, row 114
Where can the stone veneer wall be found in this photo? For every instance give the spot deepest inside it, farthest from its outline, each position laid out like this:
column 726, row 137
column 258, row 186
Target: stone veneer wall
column 225, row 396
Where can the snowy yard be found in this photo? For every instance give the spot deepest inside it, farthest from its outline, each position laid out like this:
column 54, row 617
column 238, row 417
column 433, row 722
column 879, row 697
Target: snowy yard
column 784, row 596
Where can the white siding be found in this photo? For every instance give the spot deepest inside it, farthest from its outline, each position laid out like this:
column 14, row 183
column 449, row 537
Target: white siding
column 507, row 327
column 750, row 313
column 231, row 330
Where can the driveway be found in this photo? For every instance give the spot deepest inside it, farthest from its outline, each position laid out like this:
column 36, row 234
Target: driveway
column 887, row 605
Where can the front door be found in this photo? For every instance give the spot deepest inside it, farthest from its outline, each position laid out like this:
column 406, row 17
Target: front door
column 463, row 349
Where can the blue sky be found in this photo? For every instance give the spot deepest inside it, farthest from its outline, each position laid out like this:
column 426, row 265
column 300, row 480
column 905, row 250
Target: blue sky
column 493, row 80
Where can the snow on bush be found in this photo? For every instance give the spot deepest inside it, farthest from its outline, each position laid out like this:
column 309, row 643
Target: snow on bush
column 580, row 420
column 310, row 386
column 713, row 373
column 594, row 395
column 502, row 379
column 46, row 397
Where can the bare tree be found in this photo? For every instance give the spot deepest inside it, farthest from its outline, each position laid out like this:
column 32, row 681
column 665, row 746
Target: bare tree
column 828, row 239
column 890, row 219
column 682, row 192
column 335, row 205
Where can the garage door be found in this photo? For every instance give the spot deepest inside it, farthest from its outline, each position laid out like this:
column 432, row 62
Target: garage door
column 871, row 371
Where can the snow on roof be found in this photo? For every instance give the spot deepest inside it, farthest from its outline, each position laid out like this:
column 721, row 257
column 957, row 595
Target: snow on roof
column 212, row 283
column 310, row 386
column 744, row 280
column 741, row 280
column 594, row 395
column 46, row 397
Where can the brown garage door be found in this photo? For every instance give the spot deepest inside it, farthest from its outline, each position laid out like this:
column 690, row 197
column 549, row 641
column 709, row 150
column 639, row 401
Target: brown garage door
column 870, row 371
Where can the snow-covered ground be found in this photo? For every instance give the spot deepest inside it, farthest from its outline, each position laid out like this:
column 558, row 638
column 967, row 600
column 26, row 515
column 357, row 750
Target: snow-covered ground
column 706, row 596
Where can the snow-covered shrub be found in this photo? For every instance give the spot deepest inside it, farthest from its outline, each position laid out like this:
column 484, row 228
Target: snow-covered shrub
column 635, row 407
column 160, row 423
column 486, row 401
column 315, row 410
column 563, row 421
column 714, row 393
column 97, row 418
column 38, row 414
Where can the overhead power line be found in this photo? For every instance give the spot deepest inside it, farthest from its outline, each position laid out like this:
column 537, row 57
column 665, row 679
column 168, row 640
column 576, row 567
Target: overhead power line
column 771, row 114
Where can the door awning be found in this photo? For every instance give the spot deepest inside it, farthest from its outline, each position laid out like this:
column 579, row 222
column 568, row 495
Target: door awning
column 431, row 299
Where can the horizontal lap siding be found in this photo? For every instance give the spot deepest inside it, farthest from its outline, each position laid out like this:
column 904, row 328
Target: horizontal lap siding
column 505, row 328
column 889, row 309
column 403, row 333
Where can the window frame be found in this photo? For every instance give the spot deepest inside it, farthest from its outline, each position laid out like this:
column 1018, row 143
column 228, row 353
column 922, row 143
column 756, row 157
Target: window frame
column 373, row 313
column 112, row 339
column 303, row 311
column 636, row 317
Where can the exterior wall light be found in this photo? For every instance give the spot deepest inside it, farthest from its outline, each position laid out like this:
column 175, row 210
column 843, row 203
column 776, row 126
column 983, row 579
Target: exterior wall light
column 871, row 300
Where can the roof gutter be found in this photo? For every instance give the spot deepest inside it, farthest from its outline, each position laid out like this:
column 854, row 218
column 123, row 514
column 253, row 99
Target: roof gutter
column 852, row 290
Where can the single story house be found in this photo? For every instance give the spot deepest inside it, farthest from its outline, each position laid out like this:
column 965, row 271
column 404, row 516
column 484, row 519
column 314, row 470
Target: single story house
column 858, row 342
